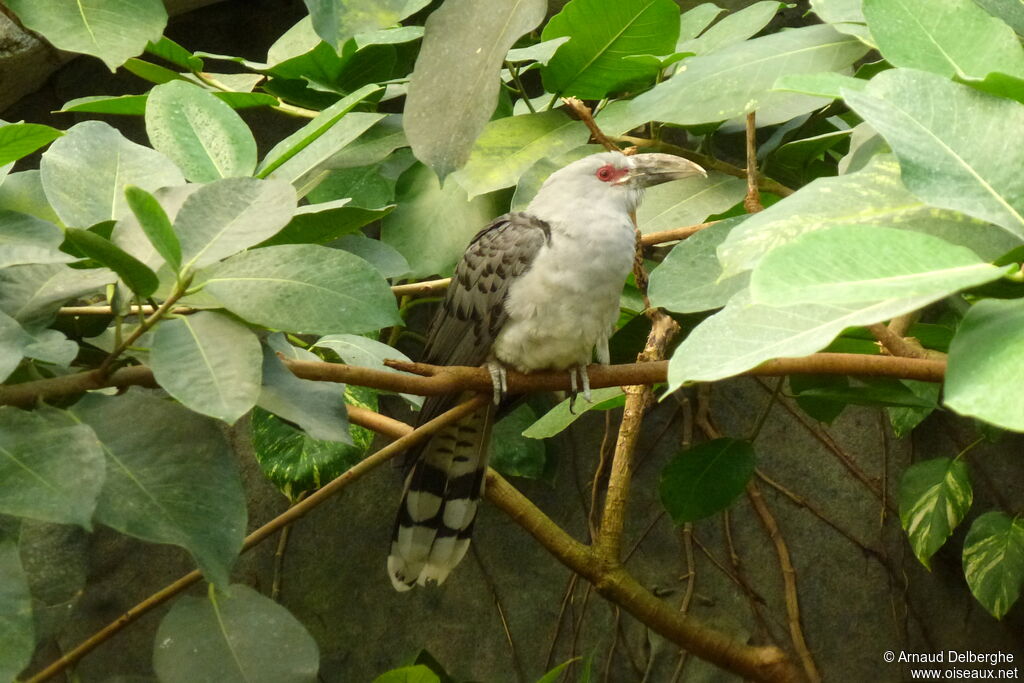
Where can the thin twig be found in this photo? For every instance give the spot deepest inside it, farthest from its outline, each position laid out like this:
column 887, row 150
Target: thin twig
column 583, row 113
column 104, row 368
column 752, row 202
column 796, row 631
column 493, row 587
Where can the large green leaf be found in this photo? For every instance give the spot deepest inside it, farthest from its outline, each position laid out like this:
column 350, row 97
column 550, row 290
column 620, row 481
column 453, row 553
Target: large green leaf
column 591, row 64
column 303, row 288
column 51, row 467
column 986, row 364
column 85, row 172
column 705, row 479
column 112, row 30
column 1010, row 11
column 454, row 88
column 31, row 294
column 431, row 225
column 317, row 407
column 743, row 334
column 690, row 279
column 171, row 477
column 27, row 239
column 12, row 345
column 733, row 28
column 17, row 630
column 948, row 37
column 199, row 132
column 353, row 349
column 860, row 263
column 739, row 79
column 509, row 146
column 688, row 201
column 338, row 20
column 226, row 216
column 238, row 637
column 873, row 195
column 320, row 223
column 951, row 141
column 693, row 22
column 23, row 192
column 994, row 561
column 21, row 139
column 209, row 362
column 935, row 495
column 513, row 454
column 318, row 140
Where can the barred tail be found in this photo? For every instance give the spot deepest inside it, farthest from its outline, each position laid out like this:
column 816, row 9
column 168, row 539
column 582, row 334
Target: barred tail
column 442, row 493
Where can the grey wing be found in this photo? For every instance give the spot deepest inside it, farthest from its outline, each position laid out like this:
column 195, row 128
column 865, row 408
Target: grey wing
column 473, row 311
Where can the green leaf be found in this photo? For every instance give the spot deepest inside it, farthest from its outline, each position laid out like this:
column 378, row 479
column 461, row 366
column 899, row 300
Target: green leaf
column 905, row 419
column 821, row 409
column 986, row 364
column 590, row 65
column 688, row 201
column 706, row 479
column 51, row 468
column 743, row 334
column 21, row 139
column 373, row 146
column 171, row 477
column 935, row 495
column 385, row 258
column 17, row 630
column 155, row 224
column 129, row 105
column 139, row 278
column 555, row 674
column 32, row 294
column 733, row 28
column 690, row 280
column 303, row 288
column 872, row 195
column 994, row 561
column 431, row 225
column 112, row 30
column 319, row 139
column 338, row 20
column 200, row 133
column 693, row 22
column 871, row 391
column 13, row 340
column 129, row 234
column 512, row 454
column 317, row 407
column 85, row 172
column 172, row 52
column 947, row 37
column 235, row 637
column 154, row 73
column 1008, row 10
column 228, row 215
column 951, row 142
column 826, row 84
column 27, row 239
column 739, row 79
column 364, row 186
column 507, row 147
column 454, row 88
column 209, row 362
column 320, row 223
column 561, row 416
column 23, row 192
column 420, row 673
column 541, row 52
column 858, row 263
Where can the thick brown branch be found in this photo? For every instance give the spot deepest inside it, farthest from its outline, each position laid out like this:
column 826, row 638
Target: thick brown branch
column 440, row 380
column 584, row 114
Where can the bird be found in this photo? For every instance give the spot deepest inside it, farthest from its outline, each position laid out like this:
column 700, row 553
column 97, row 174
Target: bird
column 537, row 289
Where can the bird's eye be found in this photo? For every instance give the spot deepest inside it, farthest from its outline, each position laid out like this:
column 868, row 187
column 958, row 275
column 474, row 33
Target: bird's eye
column 605, row 173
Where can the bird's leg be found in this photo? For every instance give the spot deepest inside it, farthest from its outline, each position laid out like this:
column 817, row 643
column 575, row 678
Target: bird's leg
column 584, row 379
column 499, row 380
column 573, row 390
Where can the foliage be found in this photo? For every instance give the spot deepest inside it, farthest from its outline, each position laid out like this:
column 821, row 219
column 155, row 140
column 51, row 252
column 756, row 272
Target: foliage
column 910, row 201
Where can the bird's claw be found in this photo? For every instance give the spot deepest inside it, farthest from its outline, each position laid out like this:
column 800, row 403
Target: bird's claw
column 584, row 379
column 499, row 380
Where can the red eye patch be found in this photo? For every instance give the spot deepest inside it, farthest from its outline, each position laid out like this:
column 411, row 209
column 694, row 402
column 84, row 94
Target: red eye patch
column 609, row 173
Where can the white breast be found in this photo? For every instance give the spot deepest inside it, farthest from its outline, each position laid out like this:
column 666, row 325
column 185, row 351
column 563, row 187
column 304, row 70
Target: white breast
column 568, row 301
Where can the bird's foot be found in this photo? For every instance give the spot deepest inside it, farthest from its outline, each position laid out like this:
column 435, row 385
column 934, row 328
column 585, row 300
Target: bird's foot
column 584, row 380
column 499, row 380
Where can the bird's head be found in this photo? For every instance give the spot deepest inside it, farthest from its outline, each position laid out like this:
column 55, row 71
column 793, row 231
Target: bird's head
column 613, row 177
